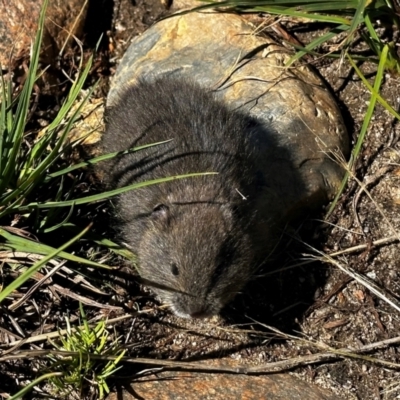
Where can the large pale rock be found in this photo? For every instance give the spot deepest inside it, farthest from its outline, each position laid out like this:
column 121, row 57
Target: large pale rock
column 222, row 52
column 19, row 22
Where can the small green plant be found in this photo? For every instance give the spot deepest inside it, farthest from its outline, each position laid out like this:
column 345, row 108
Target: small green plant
column 84, row 370
column 82, row 361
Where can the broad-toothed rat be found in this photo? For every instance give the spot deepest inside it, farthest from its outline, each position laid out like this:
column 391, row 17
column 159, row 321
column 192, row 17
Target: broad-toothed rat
column 198, row 239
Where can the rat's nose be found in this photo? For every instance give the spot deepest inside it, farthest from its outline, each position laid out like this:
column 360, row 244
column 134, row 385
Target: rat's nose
column 193, row 307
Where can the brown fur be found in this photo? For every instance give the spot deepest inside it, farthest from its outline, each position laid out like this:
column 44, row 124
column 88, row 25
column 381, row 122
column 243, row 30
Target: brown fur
column 198, row 239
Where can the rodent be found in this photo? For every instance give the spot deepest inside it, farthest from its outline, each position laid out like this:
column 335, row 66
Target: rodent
column 198, row 239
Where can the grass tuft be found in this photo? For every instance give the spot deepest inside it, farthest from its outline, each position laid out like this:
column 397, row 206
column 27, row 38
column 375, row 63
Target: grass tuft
column 81, row 372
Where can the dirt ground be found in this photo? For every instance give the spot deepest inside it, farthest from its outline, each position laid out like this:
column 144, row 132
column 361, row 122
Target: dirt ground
column 295, row 294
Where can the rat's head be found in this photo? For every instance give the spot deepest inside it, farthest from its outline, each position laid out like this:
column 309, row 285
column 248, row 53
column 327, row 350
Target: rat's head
column 195, row 256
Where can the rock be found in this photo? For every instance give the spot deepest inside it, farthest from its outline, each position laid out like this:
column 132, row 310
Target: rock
column 19, row 22
column 183, row 385
column 222, row 52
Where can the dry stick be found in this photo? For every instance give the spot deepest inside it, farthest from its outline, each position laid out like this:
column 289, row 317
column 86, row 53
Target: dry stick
column 342, row 228
column 73, row 26
column 60, row 289
column 363, row 188
column 349, row 250
column 61, row 332
column 4, row 256
column 386, row 240
column 11, row 334
column 333, row 354
column 29, row 293
column 14, row 348
column 278, row 366
column 363, row 280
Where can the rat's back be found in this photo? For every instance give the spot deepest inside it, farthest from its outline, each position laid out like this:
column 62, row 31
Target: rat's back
column 204, row 134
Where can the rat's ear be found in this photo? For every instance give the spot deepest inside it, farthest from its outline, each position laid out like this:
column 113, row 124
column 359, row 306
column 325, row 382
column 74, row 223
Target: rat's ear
column 160, row 211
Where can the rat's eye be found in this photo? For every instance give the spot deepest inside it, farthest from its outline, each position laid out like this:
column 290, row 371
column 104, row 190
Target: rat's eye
column 174, row 269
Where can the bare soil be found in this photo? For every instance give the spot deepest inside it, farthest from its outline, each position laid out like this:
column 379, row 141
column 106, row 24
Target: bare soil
column 295, row 293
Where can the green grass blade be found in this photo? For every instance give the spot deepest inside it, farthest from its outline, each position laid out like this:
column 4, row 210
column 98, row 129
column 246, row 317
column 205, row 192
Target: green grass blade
column 371, row 30
column 34, row 268
column 371, row 106
column 17, row 243
column 357, row 20
column 3, row 116
column 95, row 160
column 297, row 14
column 333, row 55
column 365, row 125
column 51, row 132
column 59, row 225
column 52, row 213
column 373, row 91
column 271, row 8
column 72, row 96
column 24, row 391
column 117, row 249
column 106, row 195
column 20, row 117
column 37, row 175
column 100, row 240
column 317, row 42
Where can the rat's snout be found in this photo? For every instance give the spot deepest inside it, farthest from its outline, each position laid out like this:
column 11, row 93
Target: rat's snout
column 186, row 307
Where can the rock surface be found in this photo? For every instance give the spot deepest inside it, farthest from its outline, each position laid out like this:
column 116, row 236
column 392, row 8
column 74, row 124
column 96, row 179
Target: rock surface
column 19, row 21
column 224, row 53
column 194, row 385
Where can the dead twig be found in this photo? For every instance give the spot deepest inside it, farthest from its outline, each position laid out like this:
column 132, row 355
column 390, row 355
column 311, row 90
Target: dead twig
column 279, row 366
column 363, row 280
column 354, row 249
